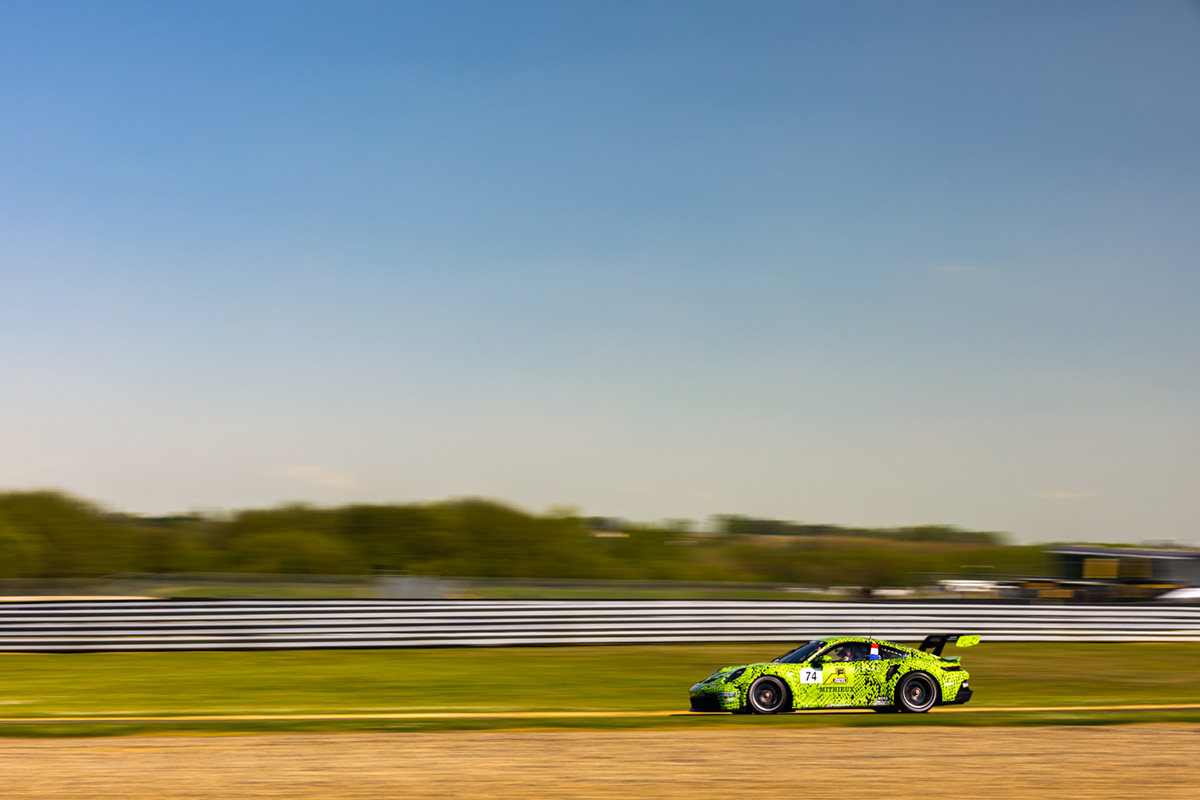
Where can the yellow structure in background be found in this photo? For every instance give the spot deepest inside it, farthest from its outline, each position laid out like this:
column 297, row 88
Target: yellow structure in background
column 1117, row 568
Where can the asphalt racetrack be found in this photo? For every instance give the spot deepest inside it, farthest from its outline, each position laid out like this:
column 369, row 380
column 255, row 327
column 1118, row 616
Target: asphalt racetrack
column 1097, row 763
column 549, row 715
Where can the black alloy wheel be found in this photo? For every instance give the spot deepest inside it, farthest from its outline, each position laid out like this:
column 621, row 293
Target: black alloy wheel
column 917, row 693
column 768, row 695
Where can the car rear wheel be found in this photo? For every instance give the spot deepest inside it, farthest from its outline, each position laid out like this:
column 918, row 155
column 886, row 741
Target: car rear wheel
column 768, row 695
column 917, row 693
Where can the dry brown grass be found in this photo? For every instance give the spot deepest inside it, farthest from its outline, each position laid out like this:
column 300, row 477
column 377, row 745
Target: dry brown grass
column 1097, row 763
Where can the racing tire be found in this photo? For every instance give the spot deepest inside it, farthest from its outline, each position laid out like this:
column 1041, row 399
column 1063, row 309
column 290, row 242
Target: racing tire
column 769, row 695
column 917, row 693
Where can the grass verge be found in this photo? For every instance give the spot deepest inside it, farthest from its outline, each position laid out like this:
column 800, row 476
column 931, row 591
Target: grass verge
column 36, row 689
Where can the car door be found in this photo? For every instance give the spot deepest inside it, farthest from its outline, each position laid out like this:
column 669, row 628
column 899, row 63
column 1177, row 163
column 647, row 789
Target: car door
column 843, row 669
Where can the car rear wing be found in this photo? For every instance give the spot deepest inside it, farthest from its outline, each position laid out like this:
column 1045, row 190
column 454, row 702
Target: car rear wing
column 936, row 642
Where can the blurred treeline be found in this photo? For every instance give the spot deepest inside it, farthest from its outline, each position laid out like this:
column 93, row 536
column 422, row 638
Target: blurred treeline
column 922, row 533
column 48, row 534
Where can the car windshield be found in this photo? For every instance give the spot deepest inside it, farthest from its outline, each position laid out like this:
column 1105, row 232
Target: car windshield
column 800, row 653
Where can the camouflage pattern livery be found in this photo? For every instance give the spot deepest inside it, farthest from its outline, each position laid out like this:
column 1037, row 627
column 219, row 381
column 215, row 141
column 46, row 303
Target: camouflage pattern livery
column 841, row 672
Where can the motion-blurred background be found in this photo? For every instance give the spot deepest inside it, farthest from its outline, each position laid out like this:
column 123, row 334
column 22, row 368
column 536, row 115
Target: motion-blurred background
column 873, row 266
column 58, row 545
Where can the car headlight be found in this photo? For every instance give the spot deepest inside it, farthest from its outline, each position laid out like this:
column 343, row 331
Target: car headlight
column 733, row 676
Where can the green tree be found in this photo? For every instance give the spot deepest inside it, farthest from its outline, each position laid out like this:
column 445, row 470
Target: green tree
column 20, row 551
column 295, row 553
column 77, row 539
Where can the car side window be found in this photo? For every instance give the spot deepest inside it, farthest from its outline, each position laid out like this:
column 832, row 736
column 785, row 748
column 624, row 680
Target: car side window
column 850, row 651
column 891, row 652
column 834, row 654
column 859, row 651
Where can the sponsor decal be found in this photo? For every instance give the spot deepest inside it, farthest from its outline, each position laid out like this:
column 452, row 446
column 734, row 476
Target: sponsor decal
column 838, row 676
column 729, row 694
column 881, row 701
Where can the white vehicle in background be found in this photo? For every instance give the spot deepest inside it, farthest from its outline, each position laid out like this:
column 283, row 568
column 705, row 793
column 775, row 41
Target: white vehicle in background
column 1188, row 594
column 970, row 586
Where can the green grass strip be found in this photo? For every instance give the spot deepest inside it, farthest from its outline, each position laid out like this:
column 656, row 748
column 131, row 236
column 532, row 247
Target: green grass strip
column 557, row 680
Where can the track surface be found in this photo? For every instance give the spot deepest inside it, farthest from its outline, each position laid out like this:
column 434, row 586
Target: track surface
column 483, row 715
column 1097, row 763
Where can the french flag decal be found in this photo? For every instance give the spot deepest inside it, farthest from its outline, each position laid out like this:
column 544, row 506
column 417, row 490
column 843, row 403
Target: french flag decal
column 874, row 651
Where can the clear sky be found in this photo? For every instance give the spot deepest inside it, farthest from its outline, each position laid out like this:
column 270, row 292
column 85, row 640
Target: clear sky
column 861, row 263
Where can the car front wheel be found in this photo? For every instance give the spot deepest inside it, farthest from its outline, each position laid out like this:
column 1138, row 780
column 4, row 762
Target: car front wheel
column 917, row 693
column 768, row 695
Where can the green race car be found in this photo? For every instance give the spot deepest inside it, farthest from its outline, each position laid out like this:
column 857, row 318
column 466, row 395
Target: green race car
column 842, row 672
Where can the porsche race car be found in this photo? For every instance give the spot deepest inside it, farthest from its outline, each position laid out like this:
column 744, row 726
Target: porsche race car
column 842, row 672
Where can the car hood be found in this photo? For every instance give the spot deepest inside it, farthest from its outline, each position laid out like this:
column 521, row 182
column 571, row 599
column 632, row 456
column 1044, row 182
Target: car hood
column 723, row 671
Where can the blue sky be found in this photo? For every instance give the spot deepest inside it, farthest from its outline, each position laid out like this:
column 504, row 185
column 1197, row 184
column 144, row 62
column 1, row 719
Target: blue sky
column 867, row 263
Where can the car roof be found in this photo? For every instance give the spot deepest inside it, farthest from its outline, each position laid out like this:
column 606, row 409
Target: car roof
column 831, row 640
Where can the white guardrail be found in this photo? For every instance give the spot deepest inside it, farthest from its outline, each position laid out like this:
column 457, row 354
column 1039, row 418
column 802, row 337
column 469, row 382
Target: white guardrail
column 125, row 625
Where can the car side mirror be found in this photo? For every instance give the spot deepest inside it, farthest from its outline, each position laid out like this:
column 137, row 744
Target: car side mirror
column 816, row 662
